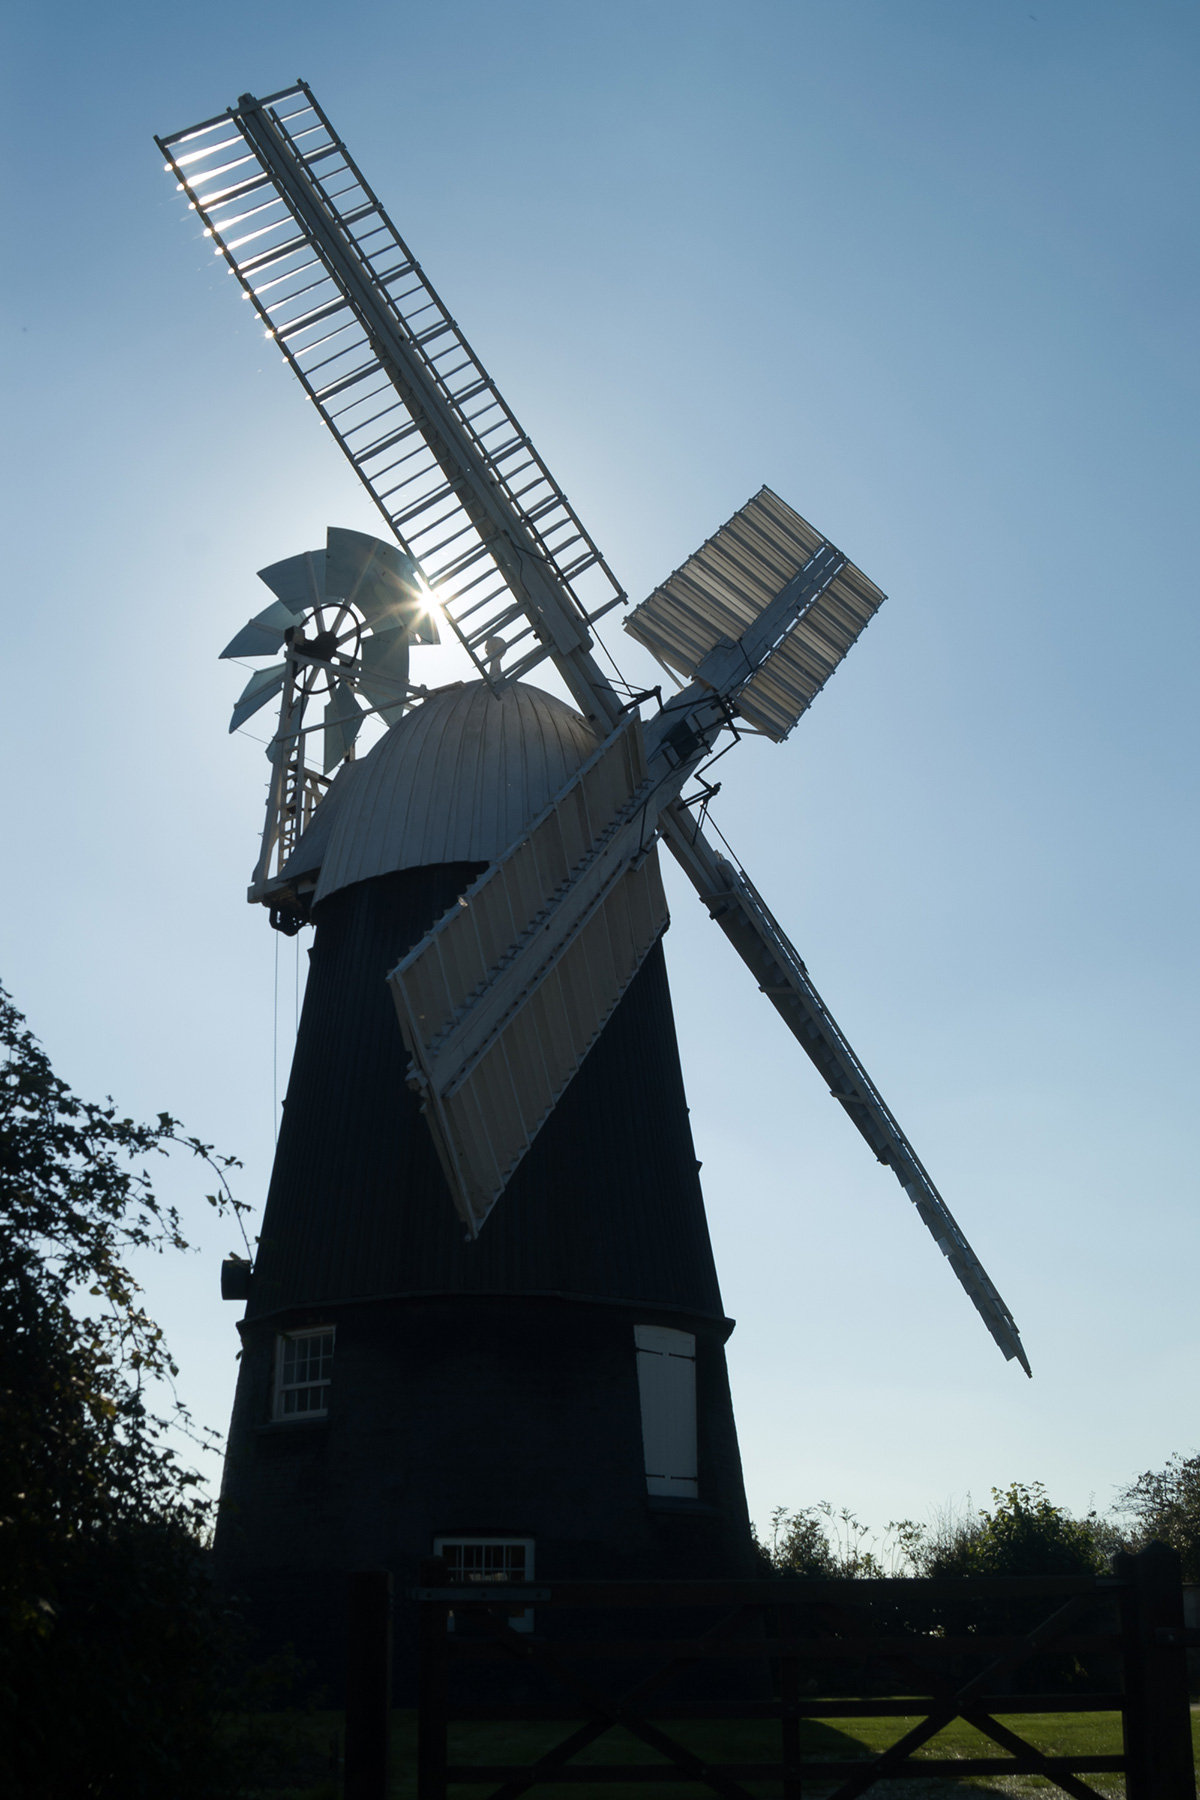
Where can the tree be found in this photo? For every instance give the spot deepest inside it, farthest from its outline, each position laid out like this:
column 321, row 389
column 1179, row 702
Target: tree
column 110, row 1634
column 1023, row 1534
column 1165, row 1503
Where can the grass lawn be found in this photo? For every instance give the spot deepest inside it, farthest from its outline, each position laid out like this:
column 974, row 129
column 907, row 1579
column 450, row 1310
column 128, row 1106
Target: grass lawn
column 294, row 1756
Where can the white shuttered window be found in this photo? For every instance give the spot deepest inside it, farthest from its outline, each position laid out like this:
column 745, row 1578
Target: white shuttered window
column 666, row 1365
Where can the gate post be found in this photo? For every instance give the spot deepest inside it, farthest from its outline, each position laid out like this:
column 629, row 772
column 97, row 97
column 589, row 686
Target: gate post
column 368, row 1684
column 434, row 1691
column 1157, row 1719
column 789, row 1698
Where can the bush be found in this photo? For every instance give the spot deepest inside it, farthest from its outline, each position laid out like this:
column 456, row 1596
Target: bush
column 1023, row 1534
column 819, row 1541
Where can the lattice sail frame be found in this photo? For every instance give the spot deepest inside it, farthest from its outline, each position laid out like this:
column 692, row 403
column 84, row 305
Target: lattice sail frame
column 383, row 361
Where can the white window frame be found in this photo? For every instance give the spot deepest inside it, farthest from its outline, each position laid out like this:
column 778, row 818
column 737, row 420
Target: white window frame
column 666, row 1366
column 520, row 1618
column 281, row 1388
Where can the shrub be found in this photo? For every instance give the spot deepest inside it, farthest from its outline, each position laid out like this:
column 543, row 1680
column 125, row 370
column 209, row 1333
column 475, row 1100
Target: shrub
column 1023, row 1534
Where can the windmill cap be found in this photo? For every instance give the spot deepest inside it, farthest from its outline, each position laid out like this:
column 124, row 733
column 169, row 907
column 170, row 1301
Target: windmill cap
column 453, row 781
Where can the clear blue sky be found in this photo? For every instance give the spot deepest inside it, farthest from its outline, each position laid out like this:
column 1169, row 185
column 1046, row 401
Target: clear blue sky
column 927, row 267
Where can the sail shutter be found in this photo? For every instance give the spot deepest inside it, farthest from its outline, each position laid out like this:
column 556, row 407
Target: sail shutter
column 501, row 1001
column 728, row 584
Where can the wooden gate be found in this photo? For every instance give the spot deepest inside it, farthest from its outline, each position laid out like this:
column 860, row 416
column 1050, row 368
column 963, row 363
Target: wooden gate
column 605, row 1655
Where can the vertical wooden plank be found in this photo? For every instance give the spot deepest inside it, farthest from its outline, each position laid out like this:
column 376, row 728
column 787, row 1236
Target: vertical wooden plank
column 434, row 1689
column 1133, row 1724
column 1157, row 1718
column 789, row 1696
column 368, row 1684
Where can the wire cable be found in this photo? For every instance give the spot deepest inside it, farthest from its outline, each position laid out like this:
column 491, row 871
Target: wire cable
column 275, row 1050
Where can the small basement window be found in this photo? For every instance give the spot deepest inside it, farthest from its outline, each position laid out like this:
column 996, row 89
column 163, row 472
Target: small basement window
column 490, row 1559
column 303, row 1371
column 666, row 1366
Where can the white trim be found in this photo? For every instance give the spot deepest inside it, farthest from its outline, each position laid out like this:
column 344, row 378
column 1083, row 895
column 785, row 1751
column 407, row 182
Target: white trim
column 311, row 1386
column 520, row 1618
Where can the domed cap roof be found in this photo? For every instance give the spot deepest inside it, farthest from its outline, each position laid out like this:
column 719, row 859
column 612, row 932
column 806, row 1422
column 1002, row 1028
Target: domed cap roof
column 453, row 781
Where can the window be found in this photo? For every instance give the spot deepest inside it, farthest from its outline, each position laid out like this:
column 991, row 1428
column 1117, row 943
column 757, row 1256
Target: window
column 303, row 1369
column 490, row 1559
column 666, row 1366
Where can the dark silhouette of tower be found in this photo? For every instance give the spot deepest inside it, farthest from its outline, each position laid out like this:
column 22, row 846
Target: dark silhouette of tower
column 551, row 1397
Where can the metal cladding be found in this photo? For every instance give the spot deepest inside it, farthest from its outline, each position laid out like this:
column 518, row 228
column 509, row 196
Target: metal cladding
column 721, row 590
column 606, row 1206
column 455, row 781
column 503, row 999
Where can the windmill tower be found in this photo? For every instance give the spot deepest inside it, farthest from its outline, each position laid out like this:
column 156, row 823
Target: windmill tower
column 484, row 1317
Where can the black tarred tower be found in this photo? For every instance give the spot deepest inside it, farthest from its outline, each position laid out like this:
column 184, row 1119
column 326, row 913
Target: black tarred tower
column 549, row 1397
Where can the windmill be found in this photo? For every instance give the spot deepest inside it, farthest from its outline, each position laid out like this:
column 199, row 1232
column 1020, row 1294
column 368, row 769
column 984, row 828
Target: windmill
column 494, row 859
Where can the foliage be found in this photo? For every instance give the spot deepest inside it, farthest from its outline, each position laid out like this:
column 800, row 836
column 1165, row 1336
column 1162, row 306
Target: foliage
column 798, row 1545
column 108, row 1626
column 821, row 1541
column 1023, row 1534
column 1165, row 1504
